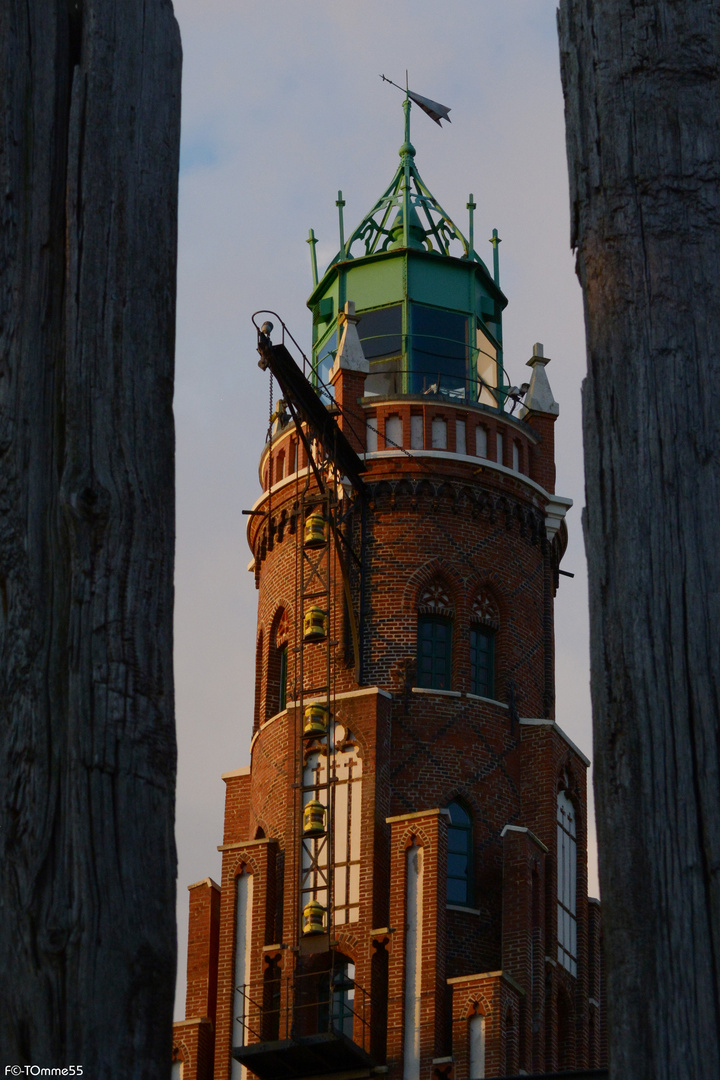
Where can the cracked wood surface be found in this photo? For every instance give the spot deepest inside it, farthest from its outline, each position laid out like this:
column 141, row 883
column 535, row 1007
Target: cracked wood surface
column 642, row 101
column 90, row 110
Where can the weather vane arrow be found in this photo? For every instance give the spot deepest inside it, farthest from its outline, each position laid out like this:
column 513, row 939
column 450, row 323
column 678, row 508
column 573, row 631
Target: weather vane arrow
column 434, row 109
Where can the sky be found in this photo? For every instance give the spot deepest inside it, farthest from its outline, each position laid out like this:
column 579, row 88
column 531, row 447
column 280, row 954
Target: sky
column 282, row 107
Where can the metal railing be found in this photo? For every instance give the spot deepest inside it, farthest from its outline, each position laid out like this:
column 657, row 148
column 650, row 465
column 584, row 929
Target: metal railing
column 294, row 1006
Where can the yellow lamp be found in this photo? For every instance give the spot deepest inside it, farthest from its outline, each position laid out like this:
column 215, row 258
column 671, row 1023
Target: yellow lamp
column 313, row 918
column 315, row 625
column 314, row 819
column 316, row 532
column 315, row 721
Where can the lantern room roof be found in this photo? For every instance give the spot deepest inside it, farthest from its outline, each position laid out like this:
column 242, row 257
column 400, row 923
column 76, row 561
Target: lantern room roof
column 407, row 216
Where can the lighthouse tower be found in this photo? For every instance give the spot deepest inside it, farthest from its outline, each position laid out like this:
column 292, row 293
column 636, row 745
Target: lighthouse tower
column 404, row 882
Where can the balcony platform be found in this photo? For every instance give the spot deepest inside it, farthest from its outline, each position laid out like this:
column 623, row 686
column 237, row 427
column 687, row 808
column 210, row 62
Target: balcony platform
column 304, row 1055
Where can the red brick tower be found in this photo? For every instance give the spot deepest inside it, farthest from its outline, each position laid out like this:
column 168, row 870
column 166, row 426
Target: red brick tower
column 404, row 885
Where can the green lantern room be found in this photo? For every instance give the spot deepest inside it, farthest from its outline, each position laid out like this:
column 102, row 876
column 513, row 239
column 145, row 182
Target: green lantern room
column 430, row 310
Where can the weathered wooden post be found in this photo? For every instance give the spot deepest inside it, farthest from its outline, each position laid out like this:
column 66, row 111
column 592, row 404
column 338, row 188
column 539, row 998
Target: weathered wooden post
column 642, row 100
column 89, row 136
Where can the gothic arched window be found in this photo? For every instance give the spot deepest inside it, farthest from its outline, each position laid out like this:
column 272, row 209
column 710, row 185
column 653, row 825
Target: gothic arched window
column 460, row 852
column 434, row 639
column 277, row 680
column 345, row 826
column 484, row 625
column 566, row 883
column 337, row 998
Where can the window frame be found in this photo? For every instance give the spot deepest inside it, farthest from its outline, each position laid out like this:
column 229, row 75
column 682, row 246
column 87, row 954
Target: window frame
column 434, row 620
column 282, row 675
column 489, row 634
column 468, row 831
column 567, row 866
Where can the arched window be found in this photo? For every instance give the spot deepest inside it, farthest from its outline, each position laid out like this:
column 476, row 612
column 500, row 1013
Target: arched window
column 476, row 1048
column 439, row 433
column 337, row 999
column 393, row 432
column 258, row 680
column 241, row 970
column 434, row 640
column 417, row 435
column 346, row 828
column 484, row 625
column 460, row 437
column 460, row 852
column 481, row 441
column 277, row 680
column 566, row 883
column 282, row 694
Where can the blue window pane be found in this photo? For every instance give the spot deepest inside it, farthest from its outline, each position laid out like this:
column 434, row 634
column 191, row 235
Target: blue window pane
column 458, row 815
column 325, row 361
column 283, row 677
column 458, row 866
column 482, row 661
column 457, row 840
column 460, row 847
column 434, row 652
column 457, row 892
column 439, row 351
column 380, row 332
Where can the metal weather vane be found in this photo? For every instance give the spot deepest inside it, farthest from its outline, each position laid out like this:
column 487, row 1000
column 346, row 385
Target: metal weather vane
column 434, row 109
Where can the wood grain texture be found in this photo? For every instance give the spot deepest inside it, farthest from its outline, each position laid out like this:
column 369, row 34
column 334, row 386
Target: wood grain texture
column 89, row 144
column 642, row 97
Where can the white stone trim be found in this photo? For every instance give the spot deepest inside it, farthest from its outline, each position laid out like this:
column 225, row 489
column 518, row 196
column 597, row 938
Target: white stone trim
column 205, row 881
column 440, row 693
column 362, row 692
column 489, row 700
column 552, row 724
column 437, row 811
column 528, row 832
column 244, row 770
column 236, row 845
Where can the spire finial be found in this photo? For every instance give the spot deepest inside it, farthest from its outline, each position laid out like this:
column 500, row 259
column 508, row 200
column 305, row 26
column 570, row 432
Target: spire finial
column 340, row 202
column 313, row 255
column 496, row 241
column 471, row 205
